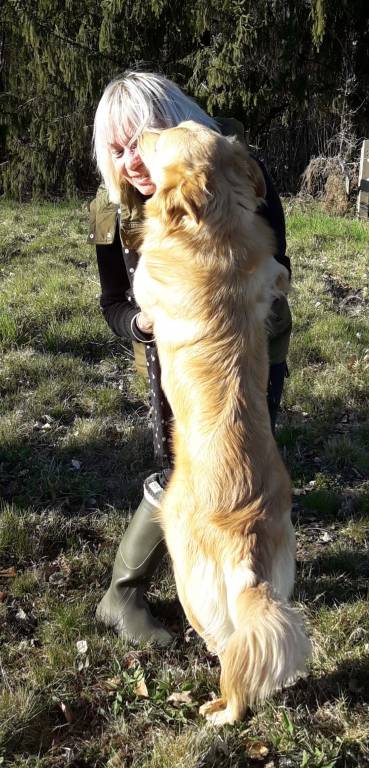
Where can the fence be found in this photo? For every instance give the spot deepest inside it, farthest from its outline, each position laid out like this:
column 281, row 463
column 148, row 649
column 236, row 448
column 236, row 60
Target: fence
column 363, row 198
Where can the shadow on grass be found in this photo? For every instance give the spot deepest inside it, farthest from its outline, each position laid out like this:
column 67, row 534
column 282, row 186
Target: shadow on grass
column 350, row 680
column 88, row 347
column 47, row 730
column 322, row 509
column 101, row 472
column 334, row 578
column 330, row 445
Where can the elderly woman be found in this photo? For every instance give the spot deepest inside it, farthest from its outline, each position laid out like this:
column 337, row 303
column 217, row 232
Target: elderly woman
column 129, row 105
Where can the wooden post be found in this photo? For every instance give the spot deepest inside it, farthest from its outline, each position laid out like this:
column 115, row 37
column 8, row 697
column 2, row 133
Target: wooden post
column 363, row 199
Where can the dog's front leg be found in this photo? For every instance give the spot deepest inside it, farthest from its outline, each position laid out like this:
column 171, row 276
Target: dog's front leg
column 144, row 290
column 216, row 710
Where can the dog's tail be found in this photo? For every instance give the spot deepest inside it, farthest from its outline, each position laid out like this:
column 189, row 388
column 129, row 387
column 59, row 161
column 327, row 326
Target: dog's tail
column 268, row 648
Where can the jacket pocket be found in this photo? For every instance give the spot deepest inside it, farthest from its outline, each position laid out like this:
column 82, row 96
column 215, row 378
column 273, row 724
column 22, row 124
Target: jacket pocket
column 103, row 220
column 132, row 234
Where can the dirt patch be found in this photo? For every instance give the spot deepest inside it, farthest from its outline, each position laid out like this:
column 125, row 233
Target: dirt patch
column 346, row 299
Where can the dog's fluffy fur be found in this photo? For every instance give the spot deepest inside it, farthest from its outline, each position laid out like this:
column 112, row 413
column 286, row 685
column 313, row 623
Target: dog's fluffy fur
column 207, row 279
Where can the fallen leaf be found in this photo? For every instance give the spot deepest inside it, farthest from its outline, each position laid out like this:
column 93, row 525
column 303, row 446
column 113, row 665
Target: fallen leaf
column 113, row 683
column 3, row 597
column 41, row 425
column 56, row 578
column 81, row 646
column 325, row 537
column 8, row 573
column 141, row 688
column 131, row 661
column 182, row 697
column 21, row 615
column 256, row 750
column 76, row 464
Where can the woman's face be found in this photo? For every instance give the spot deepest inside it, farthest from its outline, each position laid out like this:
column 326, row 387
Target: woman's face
column 129, row 166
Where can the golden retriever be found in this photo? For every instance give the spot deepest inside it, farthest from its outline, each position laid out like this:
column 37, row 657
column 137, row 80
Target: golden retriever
column 207, row 278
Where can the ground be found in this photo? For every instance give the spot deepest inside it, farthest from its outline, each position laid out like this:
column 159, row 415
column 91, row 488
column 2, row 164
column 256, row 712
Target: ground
column 74, row 449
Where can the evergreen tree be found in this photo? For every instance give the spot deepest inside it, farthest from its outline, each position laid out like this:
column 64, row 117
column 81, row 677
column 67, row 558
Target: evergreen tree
column 279, row 66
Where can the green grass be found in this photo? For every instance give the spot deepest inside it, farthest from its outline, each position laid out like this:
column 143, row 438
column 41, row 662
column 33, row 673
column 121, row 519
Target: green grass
column 74, row 449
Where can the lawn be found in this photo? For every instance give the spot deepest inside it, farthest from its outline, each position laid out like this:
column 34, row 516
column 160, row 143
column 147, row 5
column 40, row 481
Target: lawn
column 74, row 449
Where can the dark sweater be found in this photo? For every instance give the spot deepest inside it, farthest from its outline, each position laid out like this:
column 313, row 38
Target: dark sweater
column 117, row 301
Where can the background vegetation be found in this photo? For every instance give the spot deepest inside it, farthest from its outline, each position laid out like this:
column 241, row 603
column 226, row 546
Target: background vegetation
column 296, row 72
column 75, row 445
column 75, row 442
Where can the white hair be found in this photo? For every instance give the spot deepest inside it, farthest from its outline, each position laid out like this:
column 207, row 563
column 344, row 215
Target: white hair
column 144, row 101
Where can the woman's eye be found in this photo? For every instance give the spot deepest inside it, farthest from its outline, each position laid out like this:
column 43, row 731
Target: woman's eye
column 118, row 152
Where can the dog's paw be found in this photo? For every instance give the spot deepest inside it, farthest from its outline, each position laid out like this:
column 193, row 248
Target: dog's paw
column 217, row 712
column 212, row 706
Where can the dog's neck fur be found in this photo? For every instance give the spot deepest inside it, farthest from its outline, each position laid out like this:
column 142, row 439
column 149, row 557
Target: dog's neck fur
column 214, row 323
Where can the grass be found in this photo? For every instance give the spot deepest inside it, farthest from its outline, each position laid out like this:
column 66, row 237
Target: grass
column 74, row 449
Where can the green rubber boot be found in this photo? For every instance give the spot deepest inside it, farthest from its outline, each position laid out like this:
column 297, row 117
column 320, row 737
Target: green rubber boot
column 123, row 607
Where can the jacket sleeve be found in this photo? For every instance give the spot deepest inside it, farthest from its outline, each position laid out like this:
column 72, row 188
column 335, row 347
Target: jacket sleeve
column 272, row 211
column 279, row 324
column 116, row 300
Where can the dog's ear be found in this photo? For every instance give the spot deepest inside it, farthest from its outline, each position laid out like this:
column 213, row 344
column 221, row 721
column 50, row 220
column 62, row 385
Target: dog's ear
column 183, row 195
column 192, row 196
column 257, row 177
column 242, row 163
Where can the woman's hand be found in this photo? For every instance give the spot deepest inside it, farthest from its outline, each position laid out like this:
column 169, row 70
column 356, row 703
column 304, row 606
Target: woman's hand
column 144, row 323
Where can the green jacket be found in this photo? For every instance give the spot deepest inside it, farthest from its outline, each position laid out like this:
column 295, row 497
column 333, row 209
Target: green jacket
column 103, row 221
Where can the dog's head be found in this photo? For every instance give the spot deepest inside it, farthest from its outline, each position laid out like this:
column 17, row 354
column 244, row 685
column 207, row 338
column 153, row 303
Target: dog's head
column 195, row 168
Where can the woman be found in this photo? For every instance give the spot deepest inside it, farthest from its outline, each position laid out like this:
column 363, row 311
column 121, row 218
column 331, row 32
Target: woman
column 130, row 104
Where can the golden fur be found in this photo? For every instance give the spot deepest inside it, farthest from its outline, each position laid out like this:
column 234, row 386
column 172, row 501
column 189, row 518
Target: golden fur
column 207, row 278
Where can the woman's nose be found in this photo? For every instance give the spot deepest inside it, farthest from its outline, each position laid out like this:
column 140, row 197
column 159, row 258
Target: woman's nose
column 133, row 159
